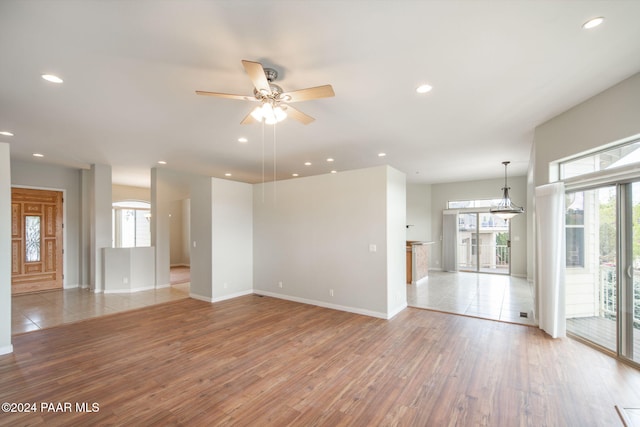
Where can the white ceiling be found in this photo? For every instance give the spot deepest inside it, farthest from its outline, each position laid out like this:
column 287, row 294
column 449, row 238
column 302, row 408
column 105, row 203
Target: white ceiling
column 498, row 68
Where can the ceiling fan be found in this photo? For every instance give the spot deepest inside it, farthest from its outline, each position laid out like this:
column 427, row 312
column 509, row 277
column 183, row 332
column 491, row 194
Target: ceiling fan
column 274, row 102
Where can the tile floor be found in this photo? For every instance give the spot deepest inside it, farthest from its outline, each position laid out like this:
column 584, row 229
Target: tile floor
column 31, row 312
column 489, row 296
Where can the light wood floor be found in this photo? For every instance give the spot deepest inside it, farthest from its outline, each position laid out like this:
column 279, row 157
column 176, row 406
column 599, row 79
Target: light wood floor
column 265, row 362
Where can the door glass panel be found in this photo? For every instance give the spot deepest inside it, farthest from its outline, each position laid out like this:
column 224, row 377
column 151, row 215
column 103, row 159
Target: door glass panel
column 32, row 238
column 634, row 269
column 493, row 234
column 591, row 261
column 467, row 242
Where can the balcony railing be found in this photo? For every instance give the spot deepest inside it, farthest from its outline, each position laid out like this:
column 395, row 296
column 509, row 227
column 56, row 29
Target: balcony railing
column 608, row 294
column 491, row 256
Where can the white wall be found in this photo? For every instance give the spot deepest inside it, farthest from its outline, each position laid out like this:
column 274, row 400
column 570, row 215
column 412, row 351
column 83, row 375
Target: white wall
column 317, row 236
column 167, row 186
column 186, row 232
column 176, row 225
column 482, row 189
column 419, row 212
column 120, row 193
column 45, row 176
column 100, row 207
column 608, row 117
column 5, row 250
column 232, row 229
column 201, row 236
column 396, row 242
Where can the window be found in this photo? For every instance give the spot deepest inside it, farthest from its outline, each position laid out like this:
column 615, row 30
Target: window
column 472, row 204
column 609, row 158
column 574, row 220
column 131, row 224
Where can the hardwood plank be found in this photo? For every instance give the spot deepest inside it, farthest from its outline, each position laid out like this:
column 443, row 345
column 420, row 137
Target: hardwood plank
column 261, row 361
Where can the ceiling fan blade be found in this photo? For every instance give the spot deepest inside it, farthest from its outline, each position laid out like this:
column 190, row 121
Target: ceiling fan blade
column 298, row 115
column 257, row 76
column 249, row 119
column 227, row 95
column 325, row 91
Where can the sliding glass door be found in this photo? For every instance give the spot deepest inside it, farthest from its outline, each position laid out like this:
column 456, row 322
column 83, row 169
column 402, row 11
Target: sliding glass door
column 483, row 243
column 630, row 286
column 591, row 257
column 603, row 267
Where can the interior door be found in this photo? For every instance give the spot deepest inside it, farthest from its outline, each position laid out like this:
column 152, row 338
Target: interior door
column 36, row 240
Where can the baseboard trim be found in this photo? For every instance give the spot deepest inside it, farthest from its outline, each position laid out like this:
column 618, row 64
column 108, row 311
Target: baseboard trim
column 397, row 311
column 6, row 349
column 128, row 291
column 323, row 304
column 420, row 281
column 231, row 296
column 200, row 297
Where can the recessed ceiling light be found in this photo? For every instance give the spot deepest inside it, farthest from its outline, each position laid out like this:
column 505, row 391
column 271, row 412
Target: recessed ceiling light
column 243, row 139
column 307, row 163
column 592, row 23
column 382, row 154
column 6, row 133
column 294, row 174
column 334, row 171
column 329, row 159
column 424, row 88
column 227, row 174
column 162, row 162
column 51, row 78
column 38, row 155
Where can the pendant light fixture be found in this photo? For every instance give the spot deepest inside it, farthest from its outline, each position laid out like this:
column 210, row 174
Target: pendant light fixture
column 505, row 209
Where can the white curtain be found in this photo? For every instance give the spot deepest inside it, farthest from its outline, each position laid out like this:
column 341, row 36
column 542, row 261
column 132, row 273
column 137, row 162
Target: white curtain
column 449, row 240
column 550, row 254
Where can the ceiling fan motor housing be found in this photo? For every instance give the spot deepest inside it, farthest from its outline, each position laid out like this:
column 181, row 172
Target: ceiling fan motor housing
column 271, row 74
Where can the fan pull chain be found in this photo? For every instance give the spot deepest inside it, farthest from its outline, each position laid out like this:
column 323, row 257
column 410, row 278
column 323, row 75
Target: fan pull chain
column 274, row 164
column 263, row 161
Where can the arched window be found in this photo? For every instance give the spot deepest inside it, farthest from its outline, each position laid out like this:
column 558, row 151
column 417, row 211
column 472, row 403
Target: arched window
column 131, row 224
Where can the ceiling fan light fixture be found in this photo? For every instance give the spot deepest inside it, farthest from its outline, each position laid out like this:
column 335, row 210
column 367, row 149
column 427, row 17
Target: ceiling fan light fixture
column 280, row 114
column 257, row 114
column 505, row 209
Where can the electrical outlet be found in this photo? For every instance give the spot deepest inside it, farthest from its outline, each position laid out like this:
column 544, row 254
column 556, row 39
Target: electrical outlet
column 330, row 292
column 125, row 280
column 225, row 286
column 279, row 284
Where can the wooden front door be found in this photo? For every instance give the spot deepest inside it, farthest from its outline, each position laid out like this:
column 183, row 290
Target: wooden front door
column 36, row 240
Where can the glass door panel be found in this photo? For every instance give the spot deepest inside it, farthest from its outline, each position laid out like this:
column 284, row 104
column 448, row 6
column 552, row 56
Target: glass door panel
column 591, row 265
column 631, row 305
column 467, row 242
column 494, row 244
